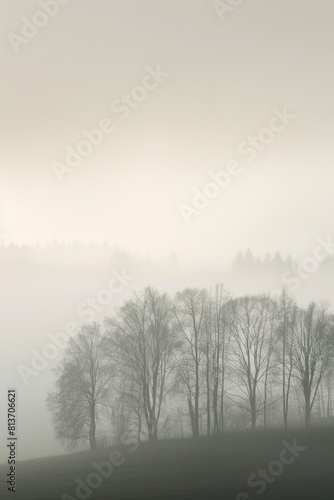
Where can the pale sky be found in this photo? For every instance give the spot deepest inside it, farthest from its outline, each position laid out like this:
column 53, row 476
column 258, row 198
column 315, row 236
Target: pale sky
column 225, row 78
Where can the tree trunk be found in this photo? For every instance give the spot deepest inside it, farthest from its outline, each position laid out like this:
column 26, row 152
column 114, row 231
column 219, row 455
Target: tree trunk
column 285, row 413
column 307, row 409
column 92, row 431
column 192, row 416
column 150, row 430
column 253, row 412
column 196, row 415
column 208, row 390
column 222, row 401
column 215, row 409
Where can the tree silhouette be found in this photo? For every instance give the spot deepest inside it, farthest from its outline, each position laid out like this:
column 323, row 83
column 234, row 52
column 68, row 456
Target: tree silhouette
column 82, row 388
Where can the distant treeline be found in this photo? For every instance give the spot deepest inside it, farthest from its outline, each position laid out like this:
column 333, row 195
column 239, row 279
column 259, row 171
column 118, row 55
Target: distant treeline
column 56, row 251
column 247, row 259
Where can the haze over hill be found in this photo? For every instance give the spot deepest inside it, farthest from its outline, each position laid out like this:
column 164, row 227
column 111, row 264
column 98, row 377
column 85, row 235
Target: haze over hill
column 44, row 289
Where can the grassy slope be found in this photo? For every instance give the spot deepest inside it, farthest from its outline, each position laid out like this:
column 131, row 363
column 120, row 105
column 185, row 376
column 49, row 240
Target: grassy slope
column 186, row 469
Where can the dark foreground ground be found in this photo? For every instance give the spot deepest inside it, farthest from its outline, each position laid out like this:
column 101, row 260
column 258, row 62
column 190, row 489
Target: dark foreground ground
column 186, row 469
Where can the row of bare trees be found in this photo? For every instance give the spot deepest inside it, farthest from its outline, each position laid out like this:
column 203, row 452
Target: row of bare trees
column 203, row 361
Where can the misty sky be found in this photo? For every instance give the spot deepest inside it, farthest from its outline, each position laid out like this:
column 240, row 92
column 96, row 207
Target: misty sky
column 225, row 78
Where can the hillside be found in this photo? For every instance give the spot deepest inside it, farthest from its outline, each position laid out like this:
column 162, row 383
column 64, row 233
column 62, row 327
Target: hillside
column 188, row 469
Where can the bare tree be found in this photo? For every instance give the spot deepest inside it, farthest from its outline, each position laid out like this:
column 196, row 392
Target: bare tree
column 251, row 328
column 217, row 348
column 126, row 409
column 82, row 387
column 143, row 341
column 311, row 353
column 287, row 310
column 190, row 311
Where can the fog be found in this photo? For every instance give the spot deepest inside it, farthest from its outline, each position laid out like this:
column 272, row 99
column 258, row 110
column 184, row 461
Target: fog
column 224, row 79
column 46, row 290
column 140, row 202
